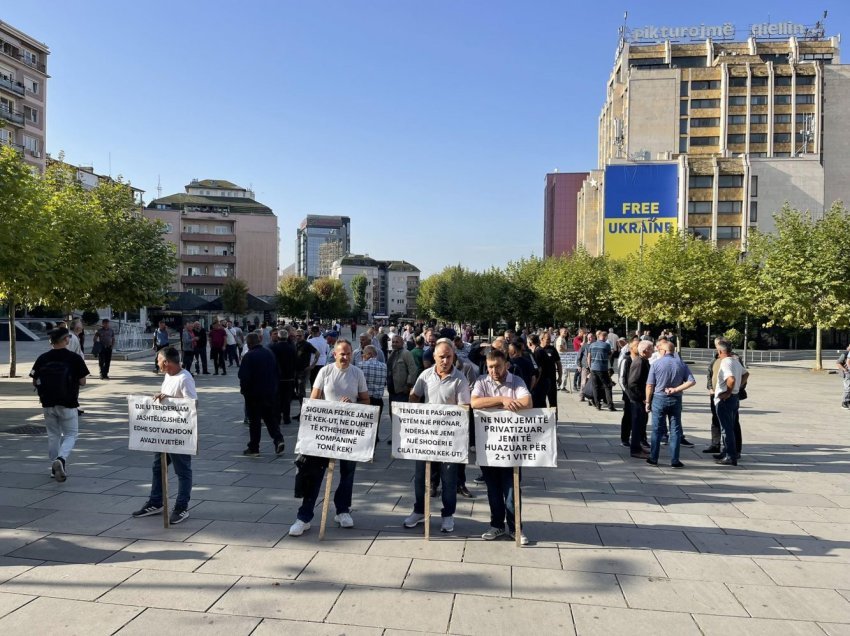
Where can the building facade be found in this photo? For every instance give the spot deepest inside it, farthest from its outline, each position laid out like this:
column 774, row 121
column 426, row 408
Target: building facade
column 219, row 231
column 346, row 268
column 560, row 212
column 312, row 234
column 752, row 125
column 392, row 289
column 23, row 94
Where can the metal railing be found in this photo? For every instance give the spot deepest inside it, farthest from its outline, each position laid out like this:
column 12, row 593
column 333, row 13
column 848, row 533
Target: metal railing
column 12, row 85
column 12, row 116
column 758, row 356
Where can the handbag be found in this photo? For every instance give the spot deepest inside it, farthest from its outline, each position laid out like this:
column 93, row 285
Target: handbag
column 96, row 348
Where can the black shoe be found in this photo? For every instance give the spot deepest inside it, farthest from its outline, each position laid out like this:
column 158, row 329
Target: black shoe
column 464, row 492
column 651, row 462
column 178, row 515
column 626, row 444
column 845, row 405
column 58, row 469
column 711, row 449
column 726, row 461
column 246, row 422
column 224, row 373
column 216, row 373
column 250, row 453
column 433, row 491
column 479, row 479
column 677, row 465
column 640, row 455
column 389, row 441
column 147, row 510
column 719, row 455
column 612, row 408
column 206, row 372
column 279, row 447
column 686, row 443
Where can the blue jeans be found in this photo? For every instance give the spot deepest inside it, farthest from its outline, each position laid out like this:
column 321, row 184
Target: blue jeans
column 726, row 410
column 664, row 407
column 63, row 427
column 342, row 496
column 448, row 477
column 183, row 469
column 500, row 495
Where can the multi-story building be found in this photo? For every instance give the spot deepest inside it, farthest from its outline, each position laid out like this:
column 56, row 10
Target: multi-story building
column 392, row 288
column 89, row 179
column 23, row 94
column 560, row 212
column 329, row 252
column 351, row 265
column 315, row 231
column 750, row 125
column 220, row 232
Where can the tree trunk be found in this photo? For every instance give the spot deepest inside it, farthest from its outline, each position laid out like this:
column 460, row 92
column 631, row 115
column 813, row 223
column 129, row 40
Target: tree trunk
column 13, row 349
column 678, row 337
column 818, row 349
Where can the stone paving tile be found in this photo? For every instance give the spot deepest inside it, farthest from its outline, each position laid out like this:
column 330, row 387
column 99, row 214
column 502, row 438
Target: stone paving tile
column 596, row 515
column 459, row 578
column 702, row 506
column 593, row 620
column 241, row 533
column 826, row 531
column 74, row 522
column 485, row 616
column 761, row 510
column 66, row 580
column 623, row 502
column 272, row 627
column 274, row 563
column 230, row 511
column 352, row 540
column 85, row 502
column 13, row 538
column 71, row 548
column 169, row 589
column 356, row 569
column 755, row 626
column 163, row 555
column 161, row 621
column 587, row 588
column 817, row 550
column 13, row 516
column 24, row 480
column 671, row 595
column 834, row 515
column 759, row 527
column 612, row 561
column 645, row 538
column 673, row 521
column 797, row 499
column 77, row 618
column 11, row 602
column 273, row 598
column 793, row 603
column 834, row 629
column 21, row 496
column 214, row 492
column 399, row 545
column 152, row 528
column 713, row 567
column 807, row 573
column 733, row 545
column 565, row 535
column 505, row 552
column 10, row 567
column 81, row 484
column 393, row 609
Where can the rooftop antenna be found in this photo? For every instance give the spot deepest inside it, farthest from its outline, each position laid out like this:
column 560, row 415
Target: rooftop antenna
column 158, row 188
column 110, row 164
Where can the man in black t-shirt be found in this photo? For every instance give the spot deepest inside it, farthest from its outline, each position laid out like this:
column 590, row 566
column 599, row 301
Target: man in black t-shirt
column 549, row 361
column 306, row 356
column 287, row 357
column 57, row 376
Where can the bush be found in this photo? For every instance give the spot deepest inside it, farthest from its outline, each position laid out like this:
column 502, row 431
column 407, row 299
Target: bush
column 693, row 344
column 89, row 317
column 734, row 336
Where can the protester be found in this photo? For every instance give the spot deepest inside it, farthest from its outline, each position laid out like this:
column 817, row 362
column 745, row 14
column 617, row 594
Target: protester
column 731, row 377
column 104, row 339
column 258, row 383
column 287, row 356
column 160, row 341
column 187, row 341
column 844, row 368
column 232, row 341
column 320, row 344
column 376, row 379
column 667, row 379
column 636, row 388
column 600, row 361
column 306, row 357
column 200, row 343
column 218, row 340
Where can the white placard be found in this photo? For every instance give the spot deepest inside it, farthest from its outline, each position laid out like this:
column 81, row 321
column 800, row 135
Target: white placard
column 431, row 432
column 525, row 438
column 569, row 360
column 169, row 425
column 338, row 430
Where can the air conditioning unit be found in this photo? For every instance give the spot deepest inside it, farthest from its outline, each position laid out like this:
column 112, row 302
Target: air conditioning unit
column 36, row 153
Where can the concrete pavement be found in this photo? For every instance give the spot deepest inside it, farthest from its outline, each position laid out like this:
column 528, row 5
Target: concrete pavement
column 617, row 546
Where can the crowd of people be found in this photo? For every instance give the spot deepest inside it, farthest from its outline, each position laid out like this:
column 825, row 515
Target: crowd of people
column 279, row 365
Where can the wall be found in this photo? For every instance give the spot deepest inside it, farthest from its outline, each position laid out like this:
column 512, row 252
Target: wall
column 799, row 181
column 836, row 139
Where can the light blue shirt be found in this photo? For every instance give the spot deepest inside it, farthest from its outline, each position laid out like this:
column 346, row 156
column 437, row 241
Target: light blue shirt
column 668, row 372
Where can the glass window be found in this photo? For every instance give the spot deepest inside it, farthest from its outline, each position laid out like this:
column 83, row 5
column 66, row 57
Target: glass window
column 754, row 186
column 805, row 80
column 782, row 138
column 705, row 122
column 700, row 181
column 705, row 103
column 683, row 144
column 754, row 211
column 758, row 138
column 701, row 232
column 728, row 207
column 782, row 118
column 738, row 82
column 683, row 126
column 704, row 85
column 705, row 141
column 683, row 89
column 758, row 81
column 801, row 118
column 736, row 138
column 222, row 229
column 683, row 107
column 692, row 61
column 737, row 119
column 758, row 100
column 782, row 80
column 728, row 232
column 699, row 207
column 758, row 119
column 730, row 181
column 31, row 85
column 782, row 99
column 738, row 100
column 805, row 99
column 169, row 228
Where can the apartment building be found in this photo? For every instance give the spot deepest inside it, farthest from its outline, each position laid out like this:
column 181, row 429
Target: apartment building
column 23, row 94
column 392, row 286
column 560, row 212
column 219, row 231
column 315, row 231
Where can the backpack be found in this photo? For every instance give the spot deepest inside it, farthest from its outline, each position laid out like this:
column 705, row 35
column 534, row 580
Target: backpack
column 55, row 383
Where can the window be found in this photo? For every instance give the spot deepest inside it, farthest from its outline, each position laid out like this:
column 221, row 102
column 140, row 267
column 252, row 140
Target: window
column 683, row 126
column 31, row 85
column 705, row 122
column 782, row 80
column 758, row 100
column 192, row 229
column 776, row 58
column 169, row 228
column 683, row 144
column 735, row 120
column 705, row 141
column 694, row 61
column 754, row 211
column 758, row 81
column 731, row 181
column 699, row 207
column 782, row 138
column 781, row 154
column 5, row 136
column 826, row 57
column 193, row 249
column 222, row 229
column 647, row 61
column 728, row 232
column 738, row 82
column 758, row 119
column 30, row 58
column 683, row 89
column 701, row 232
column 737, row 100
column 805, row 80
column 736, row 138
column 781, row 99
column 705, row 103
column 801, row 118
column 758, row 138
column 220, row 250
column 729, row 207
column 805, row 99
column 704, row 85
column 782, row 118
column 31, row 114
column 754, row 186
column 220, row 270
column 700, row 181
column 683, row 107
column 30, row 143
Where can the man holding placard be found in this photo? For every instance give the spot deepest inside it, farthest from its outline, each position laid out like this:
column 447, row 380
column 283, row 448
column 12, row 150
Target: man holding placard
column 500, row 390
column 439, row 384
column 177, row 383
column 337, row 382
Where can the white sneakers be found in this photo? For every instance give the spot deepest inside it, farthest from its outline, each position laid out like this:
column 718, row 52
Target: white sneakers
column 414, row 520
column 298, row 528
column 448, row 524
column 344, row 520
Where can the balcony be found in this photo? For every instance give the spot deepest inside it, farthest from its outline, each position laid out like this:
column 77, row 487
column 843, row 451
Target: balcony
column 197, row 237
column 8, row 84
column 203, row 280
column 17, row 147
column 12, row 116
column 13, row 53
column 208, row 258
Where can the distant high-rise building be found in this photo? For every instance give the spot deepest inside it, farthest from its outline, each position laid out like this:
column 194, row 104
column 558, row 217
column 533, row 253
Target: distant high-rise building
column 328, row 253
column 559, row 212
column 316, row 230
column 23, row 94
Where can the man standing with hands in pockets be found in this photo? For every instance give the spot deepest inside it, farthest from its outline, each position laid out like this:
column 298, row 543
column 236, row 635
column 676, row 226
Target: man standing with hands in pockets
column 668, row 378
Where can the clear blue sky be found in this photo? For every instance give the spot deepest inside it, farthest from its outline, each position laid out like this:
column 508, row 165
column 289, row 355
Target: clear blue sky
column 431, row 124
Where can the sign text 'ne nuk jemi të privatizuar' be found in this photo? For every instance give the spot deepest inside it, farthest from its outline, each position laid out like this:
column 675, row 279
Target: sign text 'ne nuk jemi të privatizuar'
column 431, row 432
column 166, row 426
column 525, row 438
column 337, row 430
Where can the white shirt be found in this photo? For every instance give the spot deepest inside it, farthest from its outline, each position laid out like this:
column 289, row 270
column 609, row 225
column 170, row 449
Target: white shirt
column 729, row 368
column 322, row 347
column 230, row 337
column 336, row 383
column 74, row 345
column 432, row 389
column 179, row 385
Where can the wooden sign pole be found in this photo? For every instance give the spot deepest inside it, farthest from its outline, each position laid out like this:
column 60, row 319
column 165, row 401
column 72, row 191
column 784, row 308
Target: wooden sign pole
column 163, row 470
column 517, row 514
column 329, row 477
column 427, row 501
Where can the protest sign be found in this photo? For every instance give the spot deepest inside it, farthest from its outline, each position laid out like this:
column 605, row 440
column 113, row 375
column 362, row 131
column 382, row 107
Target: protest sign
column 569, row 360
column 525, row 438
column 169, row 425
column 337, row 430
column 431, row 432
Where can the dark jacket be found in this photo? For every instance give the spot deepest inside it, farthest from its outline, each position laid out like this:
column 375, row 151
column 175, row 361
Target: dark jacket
column 258, row 374
column 285, row 354
column 638, row 373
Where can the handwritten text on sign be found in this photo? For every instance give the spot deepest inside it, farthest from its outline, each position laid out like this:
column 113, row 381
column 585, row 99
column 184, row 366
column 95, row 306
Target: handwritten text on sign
column 166, row 426
column 431, row 432
column 338, row 430
column 569, row 360
column 525, row 438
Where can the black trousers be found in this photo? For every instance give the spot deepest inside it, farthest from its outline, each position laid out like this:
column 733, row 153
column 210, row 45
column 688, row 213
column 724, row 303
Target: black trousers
column 639, row 420
column 716, row 430
column 104, row 360
column 539, row 393
column 286, row 389
column 602, row 382
column 626, row 420
column 201, row 356
column 217, row 356
column 263, row 408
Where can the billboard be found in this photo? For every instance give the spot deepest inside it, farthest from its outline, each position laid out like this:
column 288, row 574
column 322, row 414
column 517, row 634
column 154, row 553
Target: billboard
column 641, row 204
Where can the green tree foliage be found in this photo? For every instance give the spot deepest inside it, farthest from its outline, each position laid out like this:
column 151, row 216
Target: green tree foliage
column 234, row 296
column 329, row 298
column 522, row 302
column 294, row 297
column 800, row 275
column 576, row 288
column 359, row 284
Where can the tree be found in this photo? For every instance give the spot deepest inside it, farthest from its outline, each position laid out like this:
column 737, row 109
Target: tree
column 522, row 302
column 576, row 287
column 799, row 276
column 294, row 297
column 330, row 299
column 234, row 296
column 359, row 284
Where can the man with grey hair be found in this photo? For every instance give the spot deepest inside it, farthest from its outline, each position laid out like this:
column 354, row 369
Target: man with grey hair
column 636, row 388
column 668, row 378
column 376, row 379
column 730, row 378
